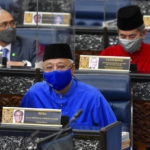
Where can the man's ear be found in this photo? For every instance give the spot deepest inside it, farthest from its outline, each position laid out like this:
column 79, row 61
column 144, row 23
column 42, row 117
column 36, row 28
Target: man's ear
column 73, row 69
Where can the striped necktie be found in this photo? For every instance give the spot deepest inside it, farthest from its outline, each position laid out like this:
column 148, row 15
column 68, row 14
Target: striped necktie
column 5, row 51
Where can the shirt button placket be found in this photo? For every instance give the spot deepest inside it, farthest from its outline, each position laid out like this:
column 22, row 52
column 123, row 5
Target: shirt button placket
column 61, row 105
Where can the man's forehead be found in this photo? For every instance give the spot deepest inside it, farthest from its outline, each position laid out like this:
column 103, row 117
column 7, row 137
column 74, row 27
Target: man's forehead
column 128, row 32
column 18, row 112
column 5, row 16
column 56, row 61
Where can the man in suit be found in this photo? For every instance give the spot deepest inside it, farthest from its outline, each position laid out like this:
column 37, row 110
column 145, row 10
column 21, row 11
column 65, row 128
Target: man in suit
column 19, row 51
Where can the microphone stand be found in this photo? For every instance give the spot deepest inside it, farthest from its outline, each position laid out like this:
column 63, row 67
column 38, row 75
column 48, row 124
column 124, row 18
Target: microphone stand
column 66, row 127
column 29, row 140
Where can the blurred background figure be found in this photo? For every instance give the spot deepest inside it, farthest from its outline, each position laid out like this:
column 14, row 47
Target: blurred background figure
column 19, row 51
column 15, row 8
column 131, row 32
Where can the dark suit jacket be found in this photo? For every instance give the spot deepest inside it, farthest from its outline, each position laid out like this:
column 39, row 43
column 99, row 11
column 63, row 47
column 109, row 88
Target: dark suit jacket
column 24, row 49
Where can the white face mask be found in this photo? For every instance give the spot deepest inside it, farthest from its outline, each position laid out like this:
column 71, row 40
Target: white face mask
column 131, row 46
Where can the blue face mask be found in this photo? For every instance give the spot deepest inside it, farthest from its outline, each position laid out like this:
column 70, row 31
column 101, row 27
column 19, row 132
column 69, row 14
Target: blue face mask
column 58, row 79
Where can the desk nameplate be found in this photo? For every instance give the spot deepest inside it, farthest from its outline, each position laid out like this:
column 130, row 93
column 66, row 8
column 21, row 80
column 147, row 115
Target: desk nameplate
column 104, row 63
column 31, row 117
column 47, row 18
column 146, row 19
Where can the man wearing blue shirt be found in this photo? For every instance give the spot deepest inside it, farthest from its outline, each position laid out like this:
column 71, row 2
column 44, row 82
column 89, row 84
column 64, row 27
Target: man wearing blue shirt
column 61, row 90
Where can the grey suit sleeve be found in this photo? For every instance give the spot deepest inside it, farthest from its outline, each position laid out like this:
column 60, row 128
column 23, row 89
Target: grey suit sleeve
column 24, row 49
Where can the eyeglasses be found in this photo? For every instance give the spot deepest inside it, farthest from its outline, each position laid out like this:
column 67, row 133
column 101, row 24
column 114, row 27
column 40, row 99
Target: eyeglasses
column 58, row 67
column 5, row 24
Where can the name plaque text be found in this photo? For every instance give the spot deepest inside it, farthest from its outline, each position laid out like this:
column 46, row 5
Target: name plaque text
column 105, row 63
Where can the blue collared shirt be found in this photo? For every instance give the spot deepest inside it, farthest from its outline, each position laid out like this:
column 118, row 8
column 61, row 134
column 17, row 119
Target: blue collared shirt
column 96, row 114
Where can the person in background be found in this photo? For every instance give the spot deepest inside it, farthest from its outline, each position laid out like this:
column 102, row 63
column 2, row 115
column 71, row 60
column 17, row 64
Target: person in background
column 18, row 116
column 61, row 90
column 19, row 51
column 131, row 32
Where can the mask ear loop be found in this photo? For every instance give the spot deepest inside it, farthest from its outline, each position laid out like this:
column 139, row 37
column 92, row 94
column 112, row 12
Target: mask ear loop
column 71, row 66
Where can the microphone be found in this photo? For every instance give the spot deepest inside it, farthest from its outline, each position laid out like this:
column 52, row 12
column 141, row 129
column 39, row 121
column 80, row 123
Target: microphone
column 4, row 61
column 4, row 57
column 77, row 114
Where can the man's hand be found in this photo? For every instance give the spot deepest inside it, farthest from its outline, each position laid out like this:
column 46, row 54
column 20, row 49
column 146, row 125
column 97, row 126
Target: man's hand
column 15, row 63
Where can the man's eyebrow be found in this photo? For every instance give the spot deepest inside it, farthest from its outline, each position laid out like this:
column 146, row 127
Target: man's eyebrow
column 122, row 34
column 133, row 34
column 49, row 63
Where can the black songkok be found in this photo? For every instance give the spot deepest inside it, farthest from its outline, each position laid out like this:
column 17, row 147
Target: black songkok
column 129, row 18
column 54, row 51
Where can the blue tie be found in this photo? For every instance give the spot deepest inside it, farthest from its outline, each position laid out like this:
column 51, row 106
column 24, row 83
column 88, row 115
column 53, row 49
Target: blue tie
column 5, row 51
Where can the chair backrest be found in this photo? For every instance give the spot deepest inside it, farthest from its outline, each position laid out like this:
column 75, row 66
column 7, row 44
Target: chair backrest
column 116, row 89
